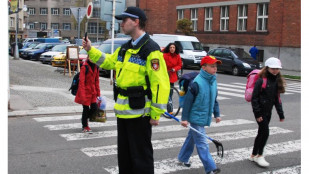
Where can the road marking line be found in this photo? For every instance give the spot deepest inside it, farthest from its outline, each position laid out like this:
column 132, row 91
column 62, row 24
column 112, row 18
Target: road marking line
column 287, row 170
column 231, row 94
column 178, row 142
column 233, row 86
column 230, row 156
column 171, row 128
column 231, row 89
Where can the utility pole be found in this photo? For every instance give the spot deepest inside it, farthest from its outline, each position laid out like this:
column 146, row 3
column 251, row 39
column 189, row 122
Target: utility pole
column 16, row 56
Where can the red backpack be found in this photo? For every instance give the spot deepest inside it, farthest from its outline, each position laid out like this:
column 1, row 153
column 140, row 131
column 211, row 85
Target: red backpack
column 252, row 77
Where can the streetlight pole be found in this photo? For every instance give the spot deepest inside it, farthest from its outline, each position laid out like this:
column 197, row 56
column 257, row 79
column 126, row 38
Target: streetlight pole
column 16, row 56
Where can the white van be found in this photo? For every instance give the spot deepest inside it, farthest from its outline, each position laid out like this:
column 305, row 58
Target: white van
column 191, row 50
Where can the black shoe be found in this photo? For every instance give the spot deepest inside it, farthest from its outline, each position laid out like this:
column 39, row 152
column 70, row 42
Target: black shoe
column 186, row 164
column 218, row 170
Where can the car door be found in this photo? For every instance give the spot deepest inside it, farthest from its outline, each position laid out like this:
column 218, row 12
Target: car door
column 228, row 60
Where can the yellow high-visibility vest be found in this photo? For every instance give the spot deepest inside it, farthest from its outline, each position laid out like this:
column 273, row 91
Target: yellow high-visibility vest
column 131, row 70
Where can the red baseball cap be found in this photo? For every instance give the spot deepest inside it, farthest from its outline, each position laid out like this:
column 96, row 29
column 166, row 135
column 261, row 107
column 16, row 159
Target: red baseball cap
column 210, row 60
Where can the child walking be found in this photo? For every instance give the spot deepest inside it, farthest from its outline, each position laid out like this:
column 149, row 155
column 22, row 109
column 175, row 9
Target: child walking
column 199, row 105
column 88, row 91
column 263, row 100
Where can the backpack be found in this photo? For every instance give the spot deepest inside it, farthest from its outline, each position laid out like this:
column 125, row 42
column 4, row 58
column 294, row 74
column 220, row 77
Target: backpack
column 184, row 82
column 75, row 82
column 251, row 79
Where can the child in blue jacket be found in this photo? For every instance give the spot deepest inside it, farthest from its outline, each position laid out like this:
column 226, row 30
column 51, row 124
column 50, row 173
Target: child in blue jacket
column 199, row 105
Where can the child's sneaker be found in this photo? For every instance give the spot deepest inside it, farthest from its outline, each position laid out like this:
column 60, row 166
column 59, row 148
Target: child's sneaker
column 218, row 170
column 87, row 129
column 252, row 158
column 261, row 161
column 188, row 164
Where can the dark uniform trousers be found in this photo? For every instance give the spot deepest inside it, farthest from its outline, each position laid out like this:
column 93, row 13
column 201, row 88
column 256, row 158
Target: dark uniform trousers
column 135, row 152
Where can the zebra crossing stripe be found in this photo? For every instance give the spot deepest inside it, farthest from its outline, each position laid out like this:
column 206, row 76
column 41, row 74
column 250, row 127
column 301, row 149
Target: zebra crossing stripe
column 231, row 94
column 158, row 129
column 177, row 142
column 230, row 156
column 287, row 170
column 91, row 124
column 231, row 89
column 233, row 86
column 63, row 118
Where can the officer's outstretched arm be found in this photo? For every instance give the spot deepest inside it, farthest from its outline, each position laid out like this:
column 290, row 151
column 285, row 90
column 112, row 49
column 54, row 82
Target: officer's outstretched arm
column 159, row 83
column 106, row 61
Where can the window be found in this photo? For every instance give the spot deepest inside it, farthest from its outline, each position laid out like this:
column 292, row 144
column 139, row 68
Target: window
column 194, row 19
column 101, row 28
column 224, row 18
column 96, row 12
column 242, row 18
column 55, row 26
column 31, row 25
column 43, row 26
column 92, row 28
column 55, row 11
column 262, row 17
column 208, row 19
column 31, row 11
column 12, row 22
column 217, row 53
column 180, row 14
column 66, row 11
column 66, row 26
column 43, row 11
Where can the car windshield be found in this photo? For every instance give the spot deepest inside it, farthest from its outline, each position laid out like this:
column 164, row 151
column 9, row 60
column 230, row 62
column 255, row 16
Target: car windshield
column 33, row 45
column 241, row 54
column 59, row 48
column 106, row 47
column 40, row 46
column 189, row 45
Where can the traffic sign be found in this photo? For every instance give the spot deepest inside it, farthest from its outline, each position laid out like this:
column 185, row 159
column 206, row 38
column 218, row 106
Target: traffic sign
column 78, row 10
column 89, row 10
column 107, row 9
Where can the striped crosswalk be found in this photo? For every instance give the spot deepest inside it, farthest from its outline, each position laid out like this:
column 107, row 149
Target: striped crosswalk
column 68, row 127
column 171, row 164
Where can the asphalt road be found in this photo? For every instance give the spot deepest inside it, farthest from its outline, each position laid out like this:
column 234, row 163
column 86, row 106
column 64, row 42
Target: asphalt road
column 53, row 143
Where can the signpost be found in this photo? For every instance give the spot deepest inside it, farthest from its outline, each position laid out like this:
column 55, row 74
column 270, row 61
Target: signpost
column 78, row 13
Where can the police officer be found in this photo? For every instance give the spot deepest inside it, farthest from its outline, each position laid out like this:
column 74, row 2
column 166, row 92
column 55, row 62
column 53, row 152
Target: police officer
column 143, row 89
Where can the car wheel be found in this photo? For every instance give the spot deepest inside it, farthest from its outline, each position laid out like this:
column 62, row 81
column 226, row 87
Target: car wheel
column 235, row 71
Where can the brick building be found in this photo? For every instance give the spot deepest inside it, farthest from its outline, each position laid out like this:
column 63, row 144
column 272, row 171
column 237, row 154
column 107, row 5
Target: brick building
column 273, row 25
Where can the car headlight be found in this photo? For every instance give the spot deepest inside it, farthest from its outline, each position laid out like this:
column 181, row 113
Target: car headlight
column 260, row 65
column 246, row 65
column 31, row 53
column 191, row 57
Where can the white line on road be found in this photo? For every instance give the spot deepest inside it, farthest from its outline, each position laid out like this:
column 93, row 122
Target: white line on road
column 287, row 170
column 177, row 142
column 230, row 156
column 158, row 129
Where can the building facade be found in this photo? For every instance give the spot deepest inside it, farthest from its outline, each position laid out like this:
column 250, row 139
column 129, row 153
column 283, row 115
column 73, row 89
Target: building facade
column 12, row 24
column 274, row 26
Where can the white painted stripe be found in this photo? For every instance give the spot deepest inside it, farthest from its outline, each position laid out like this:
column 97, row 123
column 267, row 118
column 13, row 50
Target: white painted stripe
column 91, row 124
column 158, row 129
column 232, row 86
column 230, row 156
column 295, row 91
column 243, row 84
column 177, row 142
column 231, row 94
column 222, row 98
column 287, row 170
column 69, row 117
column 294, row 84
column 231, row 89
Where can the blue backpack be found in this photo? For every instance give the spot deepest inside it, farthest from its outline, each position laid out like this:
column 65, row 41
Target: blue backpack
column 184, row 82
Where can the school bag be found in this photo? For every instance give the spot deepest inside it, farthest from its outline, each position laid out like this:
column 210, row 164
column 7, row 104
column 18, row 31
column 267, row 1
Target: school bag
column 252, row 77
column 75, row 82
column 184, row 82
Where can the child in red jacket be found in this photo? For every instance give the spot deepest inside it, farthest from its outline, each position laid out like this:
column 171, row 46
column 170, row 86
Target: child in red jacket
column 88, row 91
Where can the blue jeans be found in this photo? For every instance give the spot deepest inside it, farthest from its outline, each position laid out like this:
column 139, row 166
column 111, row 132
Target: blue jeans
column 201, row 146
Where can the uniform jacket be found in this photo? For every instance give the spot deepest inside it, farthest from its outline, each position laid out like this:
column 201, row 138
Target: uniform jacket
column 132, row 64
column 89, row 86
column 173, row 61
column 201, row 101
column 263, row 100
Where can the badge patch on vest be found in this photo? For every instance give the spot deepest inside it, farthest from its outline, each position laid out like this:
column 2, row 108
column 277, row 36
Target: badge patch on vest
column 155, row 64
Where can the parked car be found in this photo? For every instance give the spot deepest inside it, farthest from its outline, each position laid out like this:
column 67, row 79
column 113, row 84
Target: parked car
column 106, row 48
column 59, row 60
column 56, row 50
column 35, row 53
column 27, row 46
column 235, row 60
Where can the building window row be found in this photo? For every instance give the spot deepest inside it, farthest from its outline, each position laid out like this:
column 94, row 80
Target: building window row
column 54, row 11
column 55, row 26
column 242, row 17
